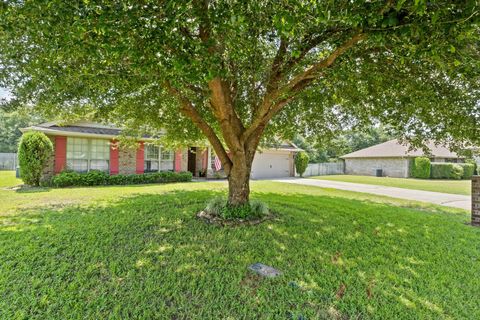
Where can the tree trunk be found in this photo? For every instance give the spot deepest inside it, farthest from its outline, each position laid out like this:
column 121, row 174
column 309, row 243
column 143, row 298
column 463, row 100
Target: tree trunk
column 239, row 183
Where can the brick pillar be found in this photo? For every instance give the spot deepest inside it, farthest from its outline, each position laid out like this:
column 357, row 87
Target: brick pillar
column 114, row 156
column 476, row 201
column 178, row 161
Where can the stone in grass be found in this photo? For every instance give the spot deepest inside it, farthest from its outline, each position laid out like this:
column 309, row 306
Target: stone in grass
column 264, row 270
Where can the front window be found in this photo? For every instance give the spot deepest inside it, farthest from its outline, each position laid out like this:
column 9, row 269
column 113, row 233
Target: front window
column 167, row 160
column 158, row 159
column 151, row 158
column 99, row 154
column 84, row 154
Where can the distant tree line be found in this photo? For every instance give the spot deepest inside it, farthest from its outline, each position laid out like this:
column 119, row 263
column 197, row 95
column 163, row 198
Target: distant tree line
column 10, row 124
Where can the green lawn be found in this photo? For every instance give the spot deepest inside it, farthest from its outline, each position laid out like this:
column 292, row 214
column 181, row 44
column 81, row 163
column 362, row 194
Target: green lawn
column 139, row 252
column 7, row 179
column 445, row 186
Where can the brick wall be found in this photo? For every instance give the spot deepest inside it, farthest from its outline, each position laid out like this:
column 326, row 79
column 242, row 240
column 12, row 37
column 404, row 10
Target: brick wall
column 392, row 167
column 127, row 160
column 49, row 169
column 476, row 201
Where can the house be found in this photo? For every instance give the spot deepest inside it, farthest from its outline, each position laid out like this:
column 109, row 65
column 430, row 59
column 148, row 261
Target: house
column 393, row 158
column 85, row 146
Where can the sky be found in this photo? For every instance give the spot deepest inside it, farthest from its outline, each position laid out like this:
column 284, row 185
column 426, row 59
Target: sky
column 3, row 93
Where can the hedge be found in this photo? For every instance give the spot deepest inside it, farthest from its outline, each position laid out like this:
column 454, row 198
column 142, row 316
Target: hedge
column 421, row 168
column 446, row 170
column 472, row 161
column 34, row 150
column 99, row 178
column 468, row 170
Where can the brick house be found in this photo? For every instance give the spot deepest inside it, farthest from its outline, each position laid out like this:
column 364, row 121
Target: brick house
column 85, row 146
column 393, row 158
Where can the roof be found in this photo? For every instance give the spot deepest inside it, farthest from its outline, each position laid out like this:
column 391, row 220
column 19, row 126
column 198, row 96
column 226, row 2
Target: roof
column 283, row 146
column 394, row 149
column 77, row 129
column 105, row 131
column 96, row 130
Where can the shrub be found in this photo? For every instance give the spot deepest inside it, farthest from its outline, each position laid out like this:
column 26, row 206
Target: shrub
column 216, row 205
column 94, row 178
column 66, row 179
column 301, row 162
column 421, row 168
column 33, row 152
column 468, row 170
column 446, row 170
column 98, row 178
column 219, row 207
column 259, row 208
column 472, row 161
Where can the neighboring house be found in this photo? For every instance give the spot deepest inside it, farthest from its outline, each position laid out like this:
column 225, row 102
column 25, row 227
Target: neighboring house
column 393, row 158
column 85, row 146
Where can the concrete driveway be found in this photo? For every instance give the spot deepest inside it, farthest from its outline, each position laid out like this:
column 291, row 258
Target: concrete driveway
column 444, row 199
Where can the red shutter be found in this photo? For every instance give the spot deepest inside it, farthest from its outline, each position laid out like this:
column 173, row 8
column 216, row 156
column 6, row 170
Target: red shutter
column 140, row 158
column 60, row 153
column 178, row 160
column 114, row 157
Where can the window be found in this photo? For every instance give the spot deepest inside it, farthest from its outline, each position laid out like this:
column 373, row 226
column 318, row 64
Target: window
column 151, row 158
column 158, row 159
column 167, row 160
column 77, row 154
column 84, row 154
column 99, row 154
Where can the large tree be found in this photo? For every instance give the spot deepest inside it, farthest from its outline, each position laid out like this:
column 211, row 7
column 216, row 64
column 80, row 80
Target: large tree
column 236, row 71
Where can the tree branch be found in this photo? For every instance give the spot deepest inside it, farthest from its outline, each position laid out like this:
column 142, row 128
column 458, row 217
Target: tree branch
column 311, row 71
column 275, row 70
column 270, row 106
column 187, row 108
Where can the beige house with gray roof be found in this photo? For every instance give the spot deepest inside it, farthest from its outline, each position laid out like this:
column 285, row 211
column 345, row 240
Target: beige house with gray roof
column 393, row 159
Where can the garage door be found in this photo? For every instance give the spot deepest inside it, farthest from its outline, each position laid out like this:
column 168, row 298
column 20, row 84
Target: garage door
column 270, row 165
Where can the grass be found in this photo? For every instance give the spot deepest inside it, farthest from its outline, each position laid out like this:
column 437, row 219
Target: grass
column 445, row 186
column 139, row 252
column 7, row 179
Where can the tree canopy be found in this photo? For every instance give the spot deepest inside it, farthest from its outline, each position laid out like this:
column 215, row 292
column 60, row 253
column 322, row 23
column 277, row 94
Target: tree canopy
column 237, row 71
column 10, row 125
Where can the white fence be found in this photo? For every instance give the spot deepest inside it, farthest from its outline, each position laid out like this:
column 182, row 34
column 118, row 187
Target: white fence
column 8, row 161
column 324, row 169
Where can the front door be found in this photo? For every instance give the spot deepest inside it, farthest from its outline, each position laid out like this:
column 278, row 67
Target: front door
column 192, row 152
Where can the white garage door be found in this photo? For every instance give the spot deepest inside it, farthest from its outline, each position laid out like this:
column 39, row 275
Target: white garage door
column 270, row 165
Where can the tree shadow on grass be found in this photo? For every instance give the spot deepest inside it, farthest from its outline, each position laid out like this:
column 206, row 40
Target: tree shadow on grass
column 28, row 189
column 148, row 255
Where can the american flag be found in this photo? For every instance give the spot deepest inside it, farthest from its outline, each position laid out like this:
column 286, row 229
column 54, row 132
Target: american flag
column 217, row 163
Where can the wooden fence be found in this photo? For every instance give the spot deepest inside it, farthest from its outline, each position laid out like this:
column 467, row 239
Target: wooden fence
column 8, row 161
column 324, row 169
